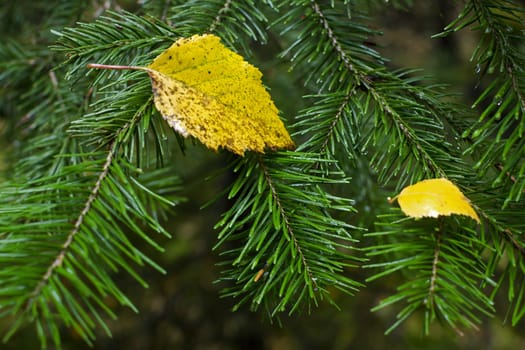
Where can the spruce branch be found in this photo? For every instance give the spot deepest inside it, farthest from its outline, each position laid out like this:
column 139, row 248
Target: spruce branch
column 286, row 222
column 121, row 37
column 436, row 258
column 75, row 256
column 496, row 135
column 396, row 116
column 220, row 15
column 435, row 263
column 336, row 45
column 327, row 126
column 95, row 225
column 57, row 262
column 337, row 119
column 412, row 139
column 235, row 22
column 386, row 97
column 302, row 247
column 516, row 244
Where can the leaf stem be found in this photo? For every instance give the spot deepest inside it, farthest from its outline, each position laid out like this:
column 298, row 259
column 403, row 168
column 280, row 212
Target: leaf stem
column 110, row 66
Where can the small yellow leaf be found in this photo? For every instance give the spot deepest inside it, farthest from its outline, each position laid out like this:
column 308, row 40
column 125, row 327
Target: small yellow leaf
column 434, row 197
column 205, row 90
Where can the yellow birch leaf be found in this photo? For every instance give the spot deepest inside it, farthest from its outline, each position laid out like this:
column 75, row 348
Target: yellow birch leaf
column 205, row 90
column 432, row 198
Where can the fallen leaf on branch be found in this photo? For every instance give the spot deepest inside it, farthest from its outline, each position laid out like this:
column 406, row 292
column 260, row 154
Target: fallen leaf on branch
column 432, row 198
column 205, row 90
